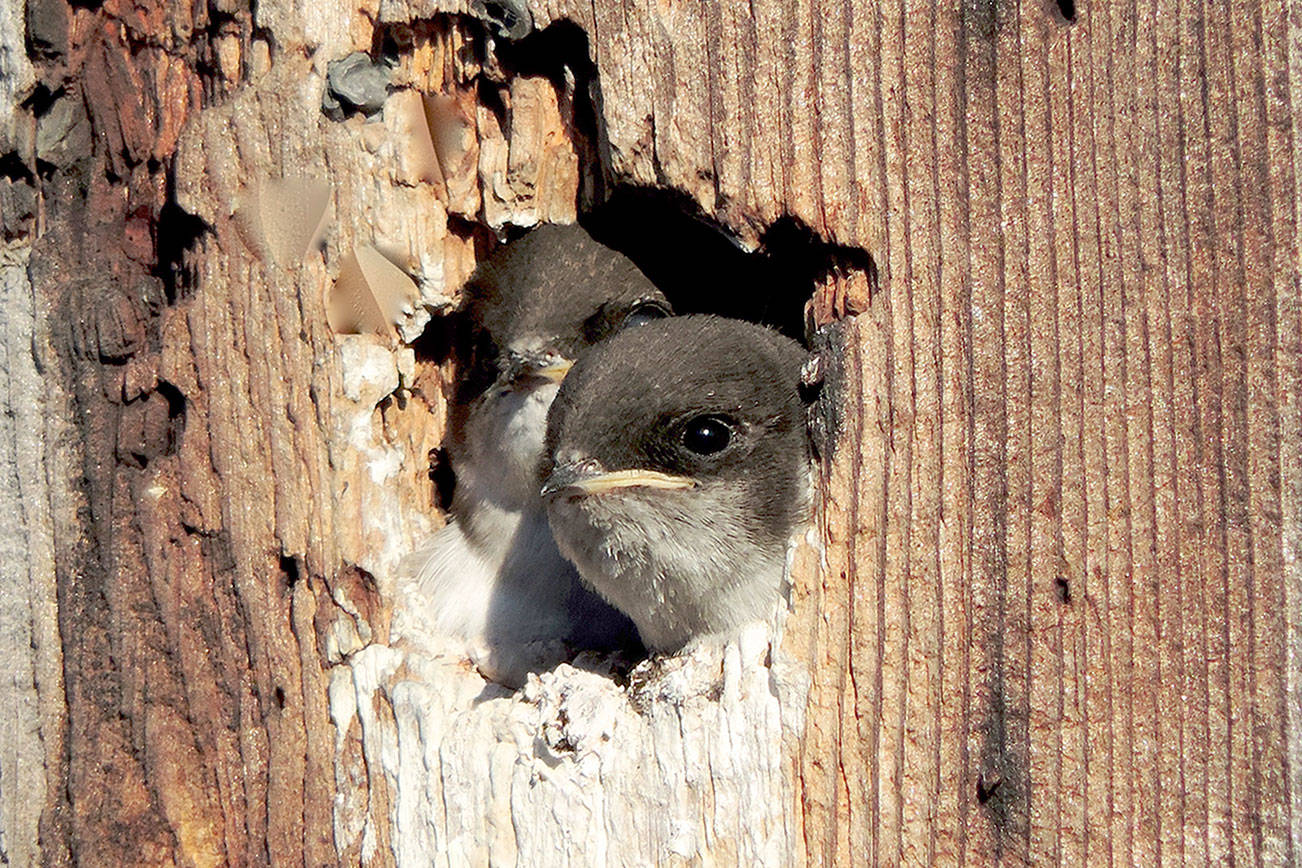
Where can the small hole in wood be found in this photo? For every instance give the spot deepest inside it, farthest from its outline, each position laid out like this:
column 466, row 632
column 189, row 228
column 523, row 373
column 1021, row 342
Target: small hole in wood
column 1063, row 10
column 490, row 97
column 986, row 789
column 445, row 481
column 177, row 233
column 289, row 570
column 14, row 169
column 434, row 345
column 176, row 405
column 42, row 99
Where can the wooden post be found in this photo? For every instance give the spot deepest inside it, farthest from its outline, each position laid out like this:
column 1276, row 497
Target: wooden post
column 1051, row 610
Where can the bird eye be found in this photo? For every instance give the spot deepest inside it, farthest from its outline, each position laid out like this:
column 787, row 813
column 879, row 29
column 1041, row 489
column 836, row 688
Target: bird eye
column 644, row 312
column 706, row 435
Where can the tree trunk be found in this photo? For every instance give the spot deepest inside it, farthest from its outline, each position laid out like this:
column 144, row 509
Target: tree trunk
column 1051, row 609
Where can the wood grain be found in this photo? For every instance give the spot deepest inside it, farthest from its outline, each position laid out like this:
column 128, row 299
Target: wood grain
column 1054, row 614
column 1115, row 452
column 1068, row 527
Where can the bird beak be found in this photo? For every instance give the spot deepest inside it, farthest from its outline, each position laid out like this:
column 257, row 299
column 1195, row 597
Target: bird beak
column 588, row 477
column 547, row 365
column 553, row 372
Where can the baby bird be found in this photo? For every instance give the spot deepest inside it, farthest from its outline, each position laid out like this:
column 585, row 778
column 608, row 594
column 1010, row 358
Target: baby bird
column 493, row 576
column 677, row 469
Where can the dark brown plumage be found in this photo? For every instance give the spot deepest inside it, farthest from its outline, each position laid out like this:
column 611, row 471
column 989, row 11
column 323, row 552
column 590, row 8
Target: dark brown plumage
column 677, row 470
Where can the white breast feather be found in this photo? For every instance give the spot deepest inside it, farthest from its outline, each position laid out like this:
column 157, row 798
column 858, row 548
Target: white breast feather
column 493, row 578
column 629, row 552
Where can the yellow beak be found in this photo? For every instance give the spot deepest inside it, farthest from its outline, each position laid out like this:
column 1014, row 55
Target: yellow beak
column 554, row 372
column 583, row 481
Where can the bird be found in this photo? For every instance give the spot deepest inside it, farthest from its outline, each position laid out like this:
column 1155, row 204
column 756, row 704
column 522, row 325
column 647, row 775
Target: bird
column 492, row 576
column 678, row 468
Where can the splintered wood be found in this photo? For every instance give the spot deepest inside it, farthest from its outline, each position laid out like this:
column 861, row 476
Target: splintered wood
column 1050, row 611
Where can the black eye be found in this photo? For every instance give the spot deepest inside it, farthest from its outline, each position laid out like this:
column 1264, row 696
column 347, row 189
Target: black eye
column 644, row 312
column 706, row 435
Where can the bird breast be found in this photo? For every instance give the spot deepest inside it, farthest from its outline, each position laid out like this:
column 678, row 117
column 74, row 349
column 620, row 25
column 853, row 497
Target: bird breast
column 667, row 560
column 503, row 444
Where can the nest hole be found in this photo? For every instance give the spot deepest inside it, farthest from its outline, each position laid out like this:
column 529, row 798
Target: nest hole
column 701, row 269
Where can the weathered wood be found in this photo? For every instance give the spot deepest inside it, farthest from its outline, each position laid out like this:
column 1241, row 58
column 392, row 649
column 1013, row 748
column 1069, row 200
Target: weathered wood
column 1052, row 607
